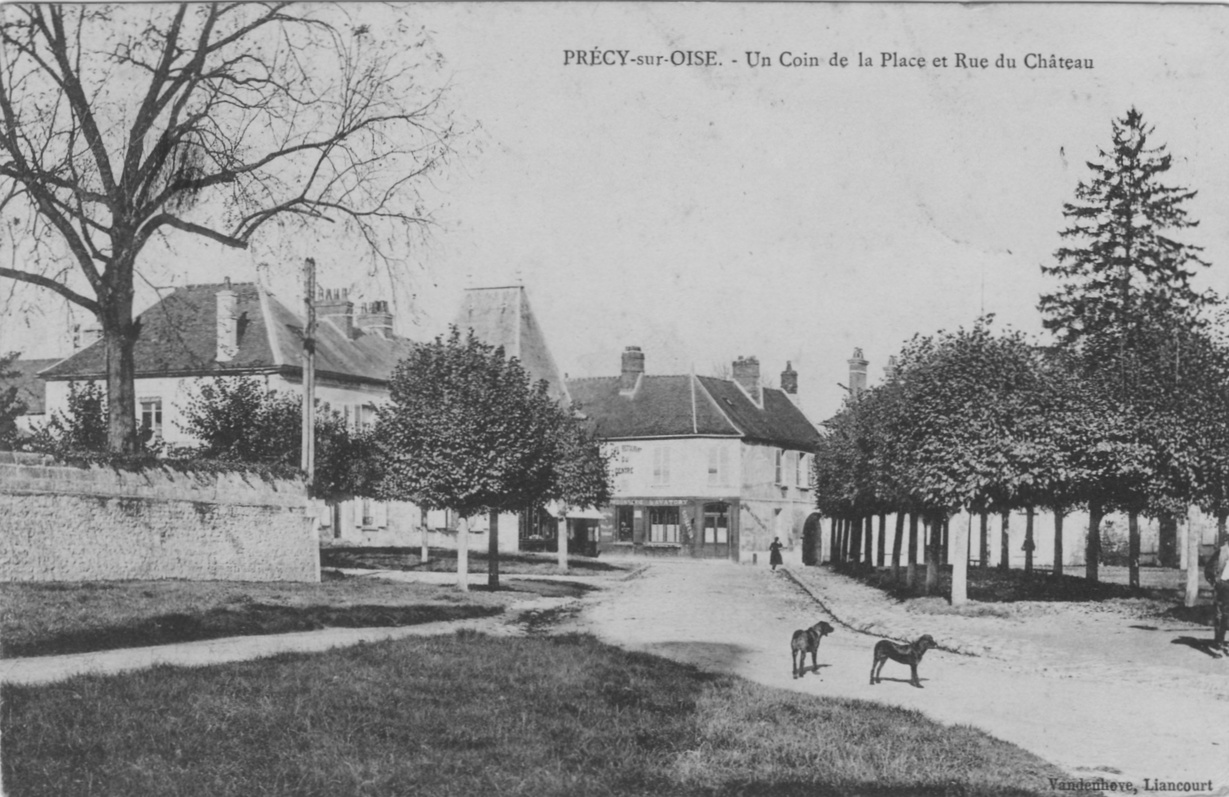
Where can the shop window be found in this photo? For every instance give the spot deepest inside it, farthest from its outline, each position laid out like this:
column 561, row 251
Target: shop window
column 624, row 530
column 716, row 524
column 664, row 524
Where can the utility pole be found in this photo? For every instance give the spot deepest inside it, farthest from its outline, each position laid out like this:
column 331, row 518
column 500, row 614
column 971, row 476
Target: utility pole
column 309, row 371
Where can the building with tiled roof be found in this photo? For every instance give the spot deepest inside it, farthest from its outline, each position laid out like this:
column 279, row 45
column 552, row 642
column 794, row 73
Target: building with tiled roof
column 201, row 332
column 703, row 466
column 31, row 390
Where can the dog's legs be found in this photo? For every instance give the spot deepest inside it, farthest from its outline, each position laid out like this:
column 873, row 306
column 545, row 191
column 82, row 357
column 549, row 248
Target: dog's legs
column 913, row 669
column 793, row 661
column 877, row 663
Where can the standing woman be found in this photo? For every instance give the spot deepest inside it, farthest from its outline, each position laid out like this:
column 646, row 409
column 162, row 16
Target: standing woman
column 774, row 555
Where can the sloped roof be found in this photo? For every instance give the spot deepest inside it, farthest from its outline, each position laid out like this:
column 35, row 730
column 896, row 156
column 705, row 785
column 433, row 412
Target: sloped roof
column 662, row 406
column 779, row 421
column 29, row 384
column 179, row 336
column 502, row 317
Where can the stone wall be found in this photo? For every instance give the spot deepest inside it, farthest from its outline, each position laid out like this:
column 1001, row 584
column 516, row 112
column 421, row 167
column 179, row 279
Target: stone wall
column 61, row 523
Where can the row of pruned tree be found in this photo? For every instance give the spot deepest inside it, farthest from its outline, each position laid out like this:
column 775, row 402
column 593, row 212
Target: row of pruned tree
column 1128, row 412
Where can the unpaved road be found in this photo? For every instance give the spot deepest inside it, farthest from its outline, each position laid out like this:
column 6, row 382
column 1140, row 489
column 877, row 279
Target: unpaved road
column 1113, row 713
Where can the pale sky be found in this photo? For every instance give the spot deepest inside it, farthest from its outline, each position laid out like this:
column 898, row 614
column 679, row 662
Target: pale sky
column 704, row 213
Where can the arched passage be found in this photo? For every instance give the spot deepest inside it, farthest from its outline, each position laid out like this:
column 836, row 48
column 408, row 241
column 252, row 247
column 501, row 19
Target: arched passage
column 812, row 540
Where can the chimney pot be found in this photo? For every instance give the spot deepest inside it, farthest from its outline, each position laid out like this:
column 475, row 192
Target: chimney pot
column 633, row 369
column 789, row 379
column 857, row 373
column 334, row 305
column 747, row 374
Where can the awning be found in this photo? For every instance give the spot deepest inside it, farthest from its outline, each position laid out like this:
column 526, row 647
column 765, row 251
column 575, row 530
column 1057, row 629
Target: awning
column 555, row 510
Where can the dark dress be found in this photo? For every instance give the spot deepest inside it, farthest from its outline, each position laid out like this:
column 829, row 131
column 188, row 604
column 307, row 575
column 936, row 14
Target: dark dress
column 774, row 556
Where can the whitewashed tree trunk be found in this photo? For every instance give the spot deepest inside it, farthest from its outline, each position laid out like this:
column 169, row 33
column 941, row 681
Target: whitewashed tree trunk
column 959, row 543
column 426, row 531
column 1192, row 565
column 563, row 544
column 463, row 554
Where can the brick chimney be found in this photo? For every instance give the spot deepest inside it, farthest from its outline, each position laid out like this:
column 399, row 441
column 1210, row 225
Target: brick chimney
column 228, row 324
column 857, row 373
column 633, row 369
column 336, row 306
column 789, row 380
column 376, row 319
column 747, row 374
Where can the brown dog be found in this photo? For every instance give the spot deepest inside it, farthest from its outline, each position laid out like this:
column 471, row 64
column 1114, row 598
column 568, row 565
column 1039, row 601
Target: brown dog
column 805, row 641
column 910, row 654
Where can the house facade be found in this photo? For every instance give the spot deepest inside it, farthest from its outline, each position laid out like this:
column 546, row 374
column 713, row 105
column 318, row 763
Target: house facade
column 198, row 333
column 703, row 467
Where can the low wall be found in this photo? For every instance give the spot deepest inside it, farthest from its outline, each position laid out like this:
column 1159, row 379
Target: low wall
column 63, row 523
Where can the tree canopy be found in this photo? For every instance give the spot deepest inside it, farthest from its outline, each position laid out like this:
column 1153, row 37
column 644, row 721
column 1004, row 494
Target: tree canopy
column 226, row 122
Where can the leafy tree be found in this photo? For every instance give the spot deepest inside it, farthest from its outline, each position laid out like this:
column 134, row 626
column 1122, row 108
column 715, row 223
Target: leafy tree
column 11, row 405
column 226, row 122
column 81, row 430
column 236, row 419
column 466, row 430
column 1124, row 305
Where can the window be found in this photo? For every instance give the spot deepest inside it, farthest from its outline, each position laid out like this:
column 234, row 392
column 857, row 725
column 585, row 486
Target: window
column 623, row 524
column 368, row 514
column 151, row 415
column 661, row 465
column 780, row 466
column 803, row 470
column 718, row 466
column 664, row 524
column 716, row 524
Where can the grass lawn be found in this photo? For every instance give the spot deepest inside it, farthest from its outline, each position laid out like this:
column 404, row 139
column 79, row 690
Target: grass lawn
column 468, row 714
column 996, row 586
column 50, row 619
column 442, row 560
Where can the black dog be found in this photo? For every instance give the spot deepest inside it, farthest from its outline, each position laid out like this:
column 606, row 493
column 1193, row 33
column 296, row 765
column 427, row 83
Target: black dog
column 910, row 654
column 807, row 641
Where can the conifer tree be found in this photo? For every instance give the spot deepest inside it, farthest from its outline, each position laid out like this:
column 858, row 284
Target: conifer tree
column 1125, row 302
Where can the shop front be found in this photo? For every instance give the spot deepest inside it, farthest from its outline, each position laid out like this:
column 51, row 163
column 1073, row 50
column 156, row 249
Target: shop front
column 692, row 527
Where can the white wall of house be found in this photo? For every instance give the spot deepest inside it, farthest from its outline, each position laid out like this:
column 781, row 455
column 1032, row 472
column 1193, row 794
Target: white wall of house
column 671, row 467
column 777, row 498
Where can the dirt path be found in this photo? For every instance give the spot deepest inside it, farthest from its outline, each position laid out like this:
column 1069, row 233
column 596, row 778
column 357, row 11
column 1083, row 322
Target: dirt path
column 1148, row 710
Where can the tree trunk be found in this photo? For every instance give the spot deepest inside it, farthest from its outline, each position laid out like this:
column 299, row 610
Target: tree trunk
column 897, row 540
column 883, row 540
column 1092, row 551
column 911, row 564
column 562, row 547
column 1167, row 542
column 492, row 552
column 960, row 567
column 1005, row 542
column 426, row 531
column 1029, row 545
column 983, row 550
column 1057, row 570
column 1222, row 536
column 1133, row 547
column 855, row 541
column 463, row 554
column 119, row 340
column 1192, row 566
column 945, row 557
column 869, row 542
column 933, row 551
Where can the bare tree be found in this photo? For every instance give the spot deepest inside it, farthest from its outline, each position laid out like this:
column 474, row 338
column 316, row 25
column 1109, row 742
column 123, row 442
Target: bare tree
column 227, row 122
